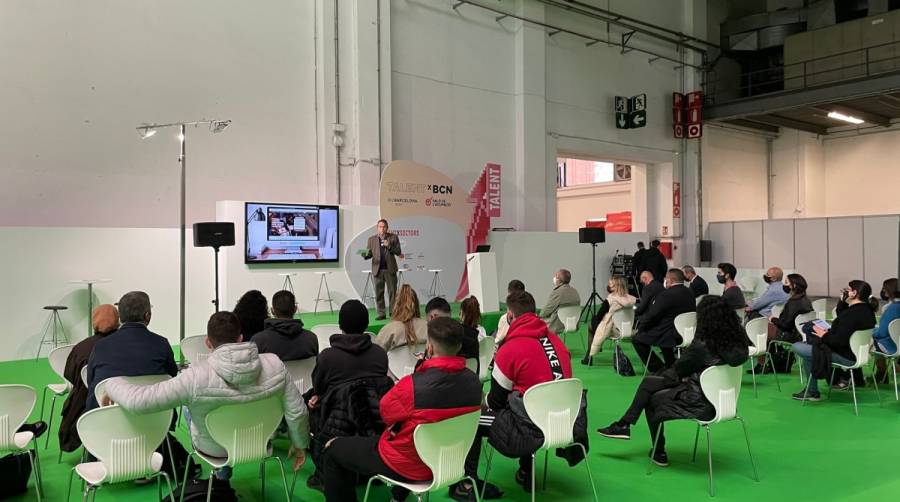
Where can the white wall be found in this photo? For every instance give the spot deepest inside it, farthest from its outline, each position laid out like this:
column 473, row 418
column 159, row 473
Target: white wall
column 40, row 262
column 79, row 76
column 577, row 204
column 533, row 258
column 734, row 175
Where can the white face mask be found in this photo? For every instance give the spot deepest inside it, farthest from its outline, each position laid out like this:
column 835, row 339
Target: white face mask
column 554, row 281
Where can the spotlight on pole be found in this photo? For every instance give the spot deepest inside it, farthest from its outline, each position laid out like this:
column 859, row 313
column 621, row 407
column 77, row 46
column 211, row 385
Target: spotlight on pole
column 146, row 132
column 217, row 126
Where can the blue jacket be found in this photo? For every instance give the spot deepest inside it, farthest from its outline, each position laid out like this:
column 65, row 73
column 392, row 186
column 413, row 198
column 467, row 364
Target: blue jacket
column 133, row 350
column 773, row 295
column 881, row 334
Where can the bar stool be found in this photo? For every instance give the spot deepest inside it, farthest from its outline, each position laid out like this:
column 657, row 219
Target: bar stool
column 53, row 327
column 370, row 283
column 323, row 280
column 287, row 285
column 437, row 287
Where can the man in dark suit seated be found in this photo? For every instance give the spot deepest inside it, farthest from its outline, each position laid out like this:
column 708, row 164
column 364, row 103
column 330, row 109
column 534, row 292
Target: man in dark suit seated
column 650, row 289
column 696, row 283
column 133, row 350
column 657, row 326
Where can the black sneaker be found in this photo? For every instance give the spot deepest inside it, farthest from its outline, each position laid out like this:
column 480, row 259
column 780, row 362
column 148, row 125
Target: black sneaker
column 840, row 385
column 812, row 396
column 660, row 458
column 616, row 430
column 587, row 361
column 524, row 480
column 463, row 491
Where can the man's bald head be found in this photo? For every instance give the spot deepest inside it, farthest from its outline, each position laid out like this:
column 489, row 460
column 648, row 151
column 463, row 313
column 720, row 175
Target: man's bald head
column 775, row 274
column 646, row 277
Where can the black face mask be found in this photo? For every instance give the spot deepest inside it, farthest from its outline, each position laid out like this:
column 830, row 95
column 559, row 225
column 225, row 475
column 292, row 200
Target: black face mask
column 609, row 289
column 721, row 279
column 787, row 289
column 767, row 279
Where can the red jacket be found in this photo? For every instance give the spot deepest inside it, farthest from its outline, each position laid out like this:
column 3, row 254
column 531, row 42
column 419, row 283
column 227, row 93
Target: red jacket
column 439, row 389
column 521, row 361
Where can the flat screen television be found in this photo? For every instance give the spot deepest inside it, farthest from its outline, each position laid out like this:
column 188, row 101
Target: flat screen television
column 291, row 233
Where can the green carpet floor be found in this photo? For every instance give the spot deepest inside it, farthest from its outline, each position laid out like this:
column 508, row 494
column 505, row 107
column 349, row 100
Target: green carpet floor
column 817, row 452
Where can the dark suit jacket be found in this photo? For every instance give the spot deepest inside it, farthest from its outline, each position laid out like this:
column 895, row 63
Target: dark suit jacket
column 658, row 322
column 699, row 286
column 647, row 295
column 373, row 253
column 133, row 350
column 655, row 262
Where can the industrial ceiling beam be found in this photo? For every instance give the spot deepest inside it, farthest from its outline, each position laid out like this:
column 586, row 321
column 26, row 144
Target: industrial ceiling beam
column 779, row 121
column 749, row 123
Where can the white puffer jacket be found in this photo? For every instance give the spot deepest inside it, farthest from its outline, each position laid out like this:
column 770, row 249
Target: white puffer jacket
column 234, row 373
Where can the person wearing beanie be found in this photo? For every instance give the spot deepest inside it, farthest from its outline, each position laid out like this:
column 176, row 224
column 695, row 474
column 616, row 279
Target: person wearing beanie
column 105, row 320
column 352, row 368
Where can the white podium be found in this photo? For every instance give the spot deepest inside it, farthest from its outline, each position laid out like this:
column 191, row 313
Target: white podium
column 482, row 272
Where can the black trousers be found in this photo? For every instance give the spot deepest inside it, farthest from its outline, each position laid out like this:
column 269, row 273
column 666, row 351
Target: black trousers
column 472, row 458
column 349, row 456
column 650, row 394
column 644, row 351
column 384, row 278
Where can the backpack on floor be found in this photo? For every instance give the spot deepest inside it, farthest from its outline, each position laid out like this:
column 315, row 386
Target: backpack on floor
column 195, row 491
column 621, row 363
column 14, row 473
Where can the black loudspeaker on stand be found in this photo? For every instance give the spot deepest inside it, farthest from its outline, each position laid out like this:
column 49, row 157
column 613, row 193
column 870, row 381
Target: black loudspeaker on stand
column 214, row 234
column 592, row 236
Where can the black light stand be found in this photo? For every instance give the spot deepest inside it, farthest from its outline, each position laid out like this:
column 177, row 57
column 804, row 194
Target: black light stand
column 216, row 254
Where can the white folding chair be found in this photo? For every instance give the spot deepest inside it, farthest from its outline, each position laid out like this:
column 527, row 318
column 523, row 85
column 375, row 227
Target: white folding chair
column 442, row 446
column 722, row 387
column 699, row 299
column 16, row 404
column 301, row 371
column 860, row 341
column 569, row 316
column 623, row 322
column 472, row 364
column 402, row 360
column 777, row 309
column 820, row 306
column 124, row 445
column 57, row 359
column 742, row 315
column 194, row 348
column 244, row 431
column 323, row 334
column 799, row 321
column 486, row 348
column 552, row 407
column 686, row 326
column 84, row 375
column 758, row 333
column 891, row 359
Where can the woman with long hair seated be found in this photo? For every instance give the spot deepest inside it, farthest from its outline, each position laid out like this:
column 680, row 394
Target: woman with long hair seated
column 675, row 393
column 406, row 326
column 617, row 299
column 252, row 310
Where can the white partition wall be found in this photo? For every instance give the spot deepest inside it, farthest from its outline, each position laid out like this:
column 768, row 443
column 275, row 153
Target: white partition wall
column 811, row 249
column 828, row 252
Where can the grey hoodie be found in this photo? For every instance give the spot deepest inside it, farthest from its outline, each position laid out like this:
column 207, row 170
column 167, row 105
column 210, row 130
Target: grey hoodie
column 234, row 373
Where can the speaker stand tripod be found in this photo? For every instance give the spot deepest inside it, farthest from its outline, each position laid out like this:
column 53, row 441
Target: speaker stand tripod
column 216, row 261
column 593, row 304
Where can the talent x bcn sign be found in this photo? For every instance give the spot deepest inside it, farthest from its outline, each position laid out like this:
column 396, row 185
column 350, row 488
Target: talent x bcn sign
column 631, row 113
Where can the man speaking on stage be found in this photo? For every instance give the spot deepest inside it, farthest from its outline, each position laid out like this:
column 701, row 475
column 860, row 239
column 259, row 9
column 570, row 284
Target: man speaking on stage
column 382, row 249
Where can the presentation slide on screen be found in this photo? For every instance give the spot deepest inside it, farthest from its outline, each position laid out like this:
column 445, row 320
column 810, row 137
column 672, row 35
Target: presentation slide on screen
column 291, row 233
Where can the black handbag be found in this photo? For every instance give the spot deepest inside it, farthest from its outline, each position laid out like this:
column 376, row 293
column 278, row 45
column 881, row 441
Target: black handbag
column 622, row 364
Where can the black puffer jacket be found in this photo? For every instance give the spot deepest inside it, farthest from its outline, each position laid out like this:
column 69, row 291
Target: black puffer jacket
column 685, row 398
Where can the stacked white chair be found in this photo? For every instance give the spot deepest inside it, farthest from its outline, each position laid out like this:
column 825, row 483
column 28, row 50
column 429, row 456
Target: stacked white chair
column 722, row 387
column 569, row 316
column 323, row 333
column 244, row 431
column 442, row 446
column 16, row 404
column 57, row 359
column 758, row 331
column 553, row 407
column 124, row 445
column 891, row 359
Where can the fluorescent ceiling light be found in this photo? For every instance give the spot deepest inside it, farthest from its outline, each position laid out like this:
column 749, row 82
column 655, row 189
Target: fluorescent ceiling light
column 845, row 118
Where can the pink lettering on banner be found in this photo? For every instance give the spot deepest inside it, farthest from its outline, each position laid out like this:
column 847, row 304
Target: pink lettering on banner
column 493, row 190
